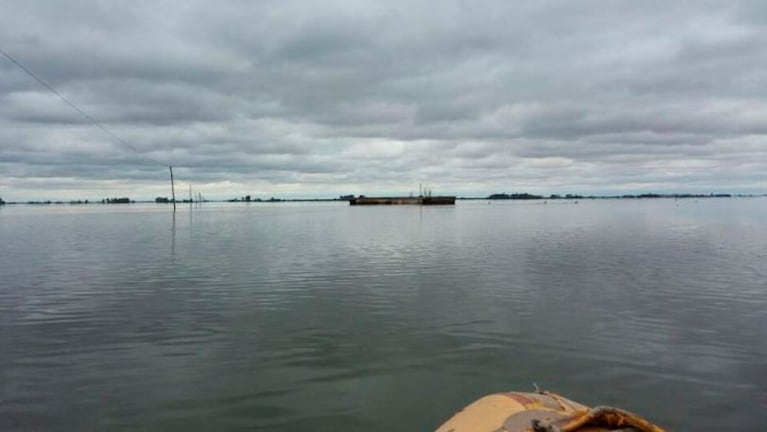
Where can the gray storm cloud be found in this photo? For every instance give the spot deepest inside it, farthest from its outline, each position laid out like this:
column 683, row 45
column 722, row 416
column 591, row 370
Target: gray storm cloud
column 316, row 99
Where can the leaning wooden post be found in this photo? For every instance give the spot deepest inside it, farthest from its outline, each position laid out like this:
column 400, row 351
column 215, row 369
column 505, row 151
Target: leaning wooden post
column 172, row 187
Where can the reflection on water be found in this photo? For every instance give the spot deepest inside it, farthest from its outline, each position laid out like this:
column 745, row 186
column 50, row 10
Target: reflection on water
column 329, row 317
column 173, row 235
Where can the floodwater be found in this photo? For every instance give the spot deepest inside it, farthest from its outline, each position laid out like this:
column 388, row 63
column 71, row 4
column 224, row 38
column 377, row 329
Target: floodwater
column 326, row 317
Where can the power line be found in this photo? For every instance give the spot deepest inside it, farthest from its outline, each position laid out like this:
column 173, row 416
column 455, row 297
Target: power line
column 67, row 101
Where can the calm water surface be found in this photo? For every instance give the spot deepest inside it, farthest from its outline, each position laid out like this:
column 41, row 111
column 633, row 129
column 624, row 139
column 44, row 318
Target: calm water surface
column 325, row 317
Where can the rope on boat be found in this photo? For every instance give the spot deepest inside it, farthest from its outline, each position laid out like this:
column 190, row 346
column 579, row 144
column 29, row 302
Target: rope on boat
column 601, row 416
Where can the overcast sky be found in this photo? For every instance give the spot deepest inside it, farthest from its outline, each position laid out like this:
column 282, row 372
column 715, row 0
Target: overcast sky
column 308, row 98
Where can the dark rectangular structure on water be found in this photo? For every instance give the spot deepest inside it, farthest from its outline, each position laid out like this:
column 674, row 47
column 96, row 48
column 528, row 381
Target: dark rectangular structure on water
column 427, row 200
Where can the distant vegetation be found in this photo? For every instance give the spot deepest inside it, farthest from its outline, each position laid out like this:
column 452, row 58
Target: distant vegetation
column 248, row 198
column 48, row 202
column 116, row 201
column 527, row 196
column 515, row 196
column 652, row 195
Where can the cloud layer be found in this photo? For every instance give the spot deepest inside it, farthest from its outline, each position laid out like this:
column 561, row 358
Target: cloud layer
column 303, row 98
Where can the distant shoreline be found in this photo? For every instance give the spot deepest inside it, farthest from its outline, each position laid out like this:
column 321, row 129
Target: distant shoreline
column 493, row 197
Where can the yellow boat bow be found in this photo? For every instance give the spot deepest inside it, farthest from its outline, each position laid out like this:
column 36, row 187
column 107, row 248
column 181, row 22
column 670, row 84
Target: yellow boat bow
column 542, row 412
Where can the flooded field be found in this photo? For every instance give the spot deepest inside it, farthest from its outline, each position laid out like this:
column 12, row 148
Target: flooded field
column 327, row 317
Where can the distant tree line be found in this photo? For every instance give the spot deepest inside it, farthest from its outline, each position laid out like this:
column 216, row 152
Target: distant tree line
column 654, row 195
column 248, row 198
column 116, row 201
column 514, row 196
column 527, row 196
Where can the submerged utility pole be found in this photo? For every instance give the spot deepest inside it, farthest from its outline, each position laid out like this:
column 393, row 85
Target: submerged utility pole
column 172, row 187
